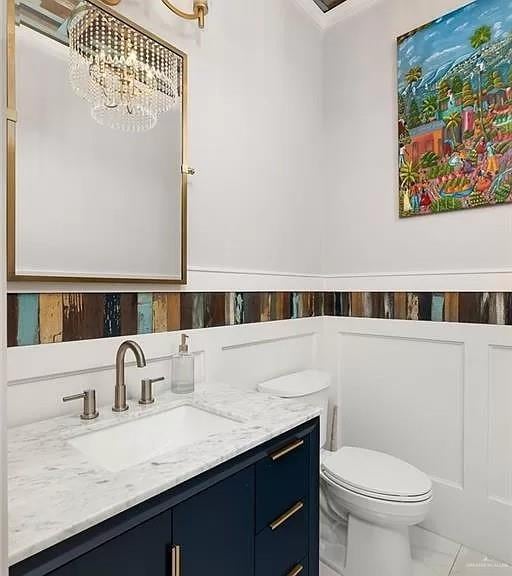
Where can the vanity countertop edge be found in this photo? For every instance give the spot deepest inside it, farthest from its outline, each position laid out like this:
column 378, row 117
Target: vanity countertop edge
column 55, row 492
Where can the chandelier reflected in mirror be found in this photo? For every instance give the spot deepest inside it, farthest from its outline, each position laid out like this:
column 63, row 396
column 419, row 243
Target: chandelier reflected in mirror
column 127, row 78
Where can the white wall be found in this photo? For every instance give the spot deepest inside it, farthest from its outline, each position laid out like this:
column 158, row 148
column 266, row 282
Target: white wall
column 366, row 245
column 255, row 136
column 255, row 130
column 438, row 396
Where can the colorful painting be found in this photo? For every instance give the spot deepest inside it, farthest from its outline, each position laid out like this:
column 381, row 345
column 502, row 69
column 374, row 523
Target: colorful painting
column 455, row 111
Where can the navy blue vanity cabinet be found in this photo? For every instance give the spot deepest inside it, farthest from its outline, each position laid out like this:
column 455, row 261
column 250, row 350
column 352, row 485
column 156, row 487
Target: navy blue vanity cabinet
column 213, row 532
column 143, row 550
column 255, row 515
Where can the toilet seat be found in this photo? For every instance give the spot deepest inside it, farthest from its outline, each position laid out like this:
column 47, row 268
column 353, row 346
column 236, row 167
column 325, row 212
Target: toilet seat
column 383, row 497
column 376, row 475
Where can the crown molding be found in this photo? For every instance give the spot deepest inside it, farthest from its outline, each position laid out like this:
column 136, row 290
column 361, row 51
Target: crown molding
column 326, row 20
column 346, row 10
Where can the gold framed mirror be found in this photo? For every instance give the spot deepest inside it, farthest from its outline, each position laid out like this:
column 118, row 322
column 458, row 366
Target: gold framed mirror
column 96, row 147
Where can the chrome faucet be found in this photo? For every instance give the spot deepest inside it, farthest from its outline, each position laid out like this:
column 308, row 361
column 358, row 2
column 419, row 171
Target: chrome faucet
column 120, row 404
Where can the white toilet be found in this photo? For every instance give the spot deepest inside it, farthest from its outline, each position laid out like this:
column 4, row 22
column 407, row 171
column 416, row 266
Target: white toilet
column 380, row 495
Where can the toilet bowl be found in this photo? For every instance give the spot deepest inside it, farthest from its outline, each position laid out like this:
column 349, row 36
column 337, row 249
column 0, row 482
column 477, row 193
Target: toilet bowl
column 380, row 496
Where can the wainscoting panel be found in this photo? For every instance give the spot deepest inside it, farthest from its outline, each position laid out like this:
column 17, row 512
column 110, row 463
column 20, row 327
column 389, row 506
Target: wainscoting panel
column 394, row 389
column 439, row 396
column 500, row 425
column 257, row 361
column 241, row 355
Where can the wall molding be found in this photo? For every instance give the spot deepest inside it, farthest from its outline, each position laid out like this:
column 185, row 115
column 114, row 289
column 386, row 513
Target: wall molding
column 200, row 279
column 347, row 10
column 456, row 280
column 206, row 278
column 453, row 272
column 313, row 11
column 219, row 279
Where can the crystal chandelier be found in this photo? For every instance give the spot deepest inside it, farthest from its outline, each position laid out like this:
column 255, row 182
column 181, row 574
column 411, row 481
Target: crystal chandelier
column 128, row 78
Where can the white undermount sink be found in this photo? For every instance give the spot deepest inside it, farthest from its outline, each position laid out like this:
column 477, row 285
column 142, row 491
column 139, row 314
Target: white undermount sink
column 139, row 440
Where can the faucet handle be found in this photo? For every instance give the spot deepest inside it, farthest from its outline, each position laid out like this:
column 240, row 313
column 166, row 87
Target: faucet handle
column 89, row 398
column 146, row 390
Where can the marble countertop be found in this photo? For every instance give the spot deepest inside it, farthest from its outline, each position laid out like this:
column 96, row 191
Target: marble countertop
column 55, row 492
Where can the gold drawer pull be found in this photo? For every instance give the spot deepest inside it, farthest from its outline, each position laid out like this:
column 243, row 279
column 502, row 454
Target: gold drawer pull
column 287, row 449
column 297, row 570
column 176, row 561
column 287, row 515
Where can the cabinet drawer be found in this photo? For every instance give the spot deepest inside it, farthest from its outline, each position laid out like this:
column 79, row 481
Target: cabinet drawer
column 281, row 547
column 280, row 480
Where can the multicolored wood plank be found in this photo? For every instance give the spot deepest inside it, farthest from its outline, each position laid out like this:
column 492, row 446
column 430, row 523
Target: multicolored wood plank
column 52, row 318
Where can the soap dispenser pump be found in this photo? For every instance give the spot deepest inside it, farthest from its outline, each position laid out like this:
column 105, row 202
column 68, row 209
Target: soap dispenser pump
column 182, row 369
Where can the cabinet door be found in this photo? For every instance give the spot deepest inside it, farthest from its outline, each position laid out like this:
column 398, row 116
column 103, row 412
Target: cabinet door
column 215, row 529
column 142, row 551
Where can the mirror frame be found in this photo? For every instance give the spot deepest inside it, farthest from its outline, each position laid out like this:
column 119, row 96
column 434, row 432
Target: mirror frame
column 11, row 119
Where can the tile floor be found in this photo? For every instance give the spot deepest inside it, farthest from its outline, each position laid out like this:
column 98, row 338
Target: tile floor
column 432, row 556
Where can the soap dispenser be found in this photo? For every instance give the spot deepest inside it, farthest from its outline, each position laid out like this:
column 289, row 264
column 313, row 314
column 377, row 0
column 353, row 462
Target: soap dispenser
column 182, row 369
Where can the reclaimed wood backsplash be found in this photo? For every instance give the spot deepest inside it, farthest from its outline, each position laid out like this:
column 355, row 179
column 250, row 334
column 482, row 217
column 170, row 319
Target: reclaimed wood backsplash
column 50, row 318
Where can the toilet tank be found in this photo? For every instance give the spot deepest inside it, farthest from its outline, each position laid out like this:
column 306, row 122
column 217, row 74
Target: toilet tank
column 310, row 386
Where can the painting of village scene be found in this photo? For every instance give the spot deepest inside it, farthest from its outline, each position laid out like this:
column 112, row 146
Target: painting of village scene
column 455, row 111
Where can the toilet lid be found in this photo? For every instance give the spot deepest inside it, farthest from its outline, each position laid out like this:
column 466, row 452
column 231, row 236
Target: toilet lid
column 296, row 385
column 371, row 472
